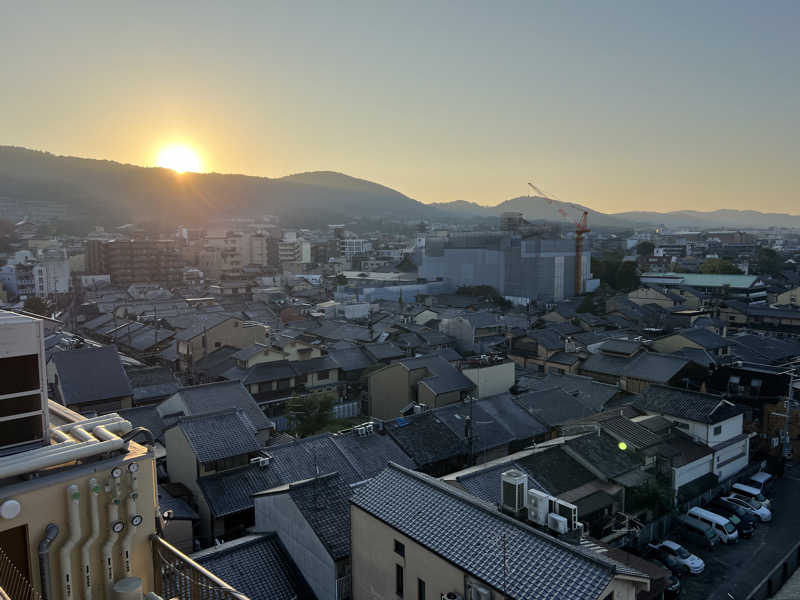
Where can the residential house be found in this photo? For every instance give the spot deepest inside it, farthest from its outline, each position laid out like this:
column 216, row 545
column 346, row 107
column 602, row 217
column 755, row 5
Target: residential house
column 414, row 535
column 476, row 332
column 706, row 418
column 697, row 337
column 91, row 380
column 215, row 331
column 789, row 297
column 652, row 295
column 151, row 385
column 428, row 380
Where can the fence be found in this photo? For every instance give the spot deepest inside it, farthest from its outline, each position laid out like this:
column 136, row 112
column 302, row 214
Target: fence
column 178, row 576
column 346, row 410
column 778, row 576
column 12, row 582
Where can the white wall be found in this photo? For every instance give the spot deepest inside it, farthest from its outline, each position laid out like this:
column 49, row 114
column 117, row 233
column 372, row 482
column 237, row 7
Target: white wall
column 492, row 380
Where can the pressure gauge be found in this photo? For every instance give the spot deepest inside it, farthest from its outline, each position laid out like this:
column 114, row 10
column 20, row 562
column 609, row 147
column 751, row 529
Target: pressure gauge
column 133, row 467
column 136, row 520
column 116, row 472
column 117, row 526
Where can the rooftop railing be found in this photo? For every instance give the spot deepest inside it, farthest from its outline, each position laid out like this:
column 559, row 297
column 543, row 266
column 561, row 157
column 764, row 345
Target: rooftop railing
column 178, row 576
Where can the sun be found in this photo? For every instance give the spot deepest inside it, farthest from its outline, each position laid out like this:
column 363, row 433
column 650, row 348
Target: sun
column 179, row 158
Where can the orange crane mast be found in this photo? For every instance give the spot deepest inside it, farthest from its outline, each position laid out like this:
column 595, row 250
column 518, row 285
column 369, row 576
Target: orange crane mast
column 581, row 229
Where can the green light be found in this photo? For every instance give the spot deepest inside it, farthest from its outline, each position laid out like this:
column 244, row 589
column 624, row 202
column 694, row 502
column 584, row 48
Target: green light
column 622, row 446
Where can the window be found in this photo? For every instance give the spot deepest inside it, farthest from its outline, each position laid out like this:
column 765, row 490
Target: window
column 399, row 548
column 322, row 375
column 717, row 429
column 420, row 589
column 398, row 580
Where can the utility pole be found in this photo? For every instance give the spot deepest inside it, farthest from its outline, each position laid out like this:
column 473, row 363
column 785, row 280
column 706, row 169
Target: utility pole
column 787, row 441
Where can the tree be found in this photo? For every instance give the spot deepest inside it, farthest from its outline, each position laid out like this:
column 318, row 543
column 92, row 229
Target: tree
column 340, row 279
column 719, row 266
column 768, row 262
column 626, row 277
column 645, row 248
column 311, row 413
column 36, row 305
column 586, row 305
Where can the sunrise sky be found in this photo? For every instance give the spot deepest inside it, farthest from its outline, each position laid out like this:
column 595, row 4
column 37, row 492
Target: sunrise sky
column 620, row 105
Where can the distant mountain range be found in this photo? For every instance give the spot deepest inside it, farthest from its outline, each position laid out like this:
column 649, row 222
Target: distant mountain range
column 111, row 192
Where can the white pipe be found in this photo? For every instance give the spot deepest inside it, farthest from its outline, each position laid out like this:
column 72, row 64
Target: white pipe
column 66, row 452
column 74, row 510
column 128, row 538
column 86, row 549
column 84, row 423
column 108, row 547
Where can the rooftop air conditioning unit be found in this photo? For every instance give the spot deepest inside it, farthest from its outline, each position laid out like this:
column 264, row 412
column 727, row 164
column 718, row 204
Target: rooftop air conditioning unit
column 514, row 490
column 420, row 408
column 557, row 523
column 368, row 428
column 361, row 431
column 569, row 512
column 264, row 460
column 538, row 507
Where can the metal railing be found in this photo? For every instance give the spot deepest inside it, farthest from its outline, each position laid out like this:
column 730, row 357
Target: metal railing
column 178, row 576
column 13, row 583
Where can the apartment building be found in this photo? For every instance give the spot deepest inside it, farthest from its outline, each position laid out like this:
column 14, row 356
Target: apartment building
column 132, row 261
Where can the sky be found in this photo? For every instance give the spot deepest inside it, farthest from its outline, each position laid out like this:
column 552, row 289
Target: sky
column 619, row 105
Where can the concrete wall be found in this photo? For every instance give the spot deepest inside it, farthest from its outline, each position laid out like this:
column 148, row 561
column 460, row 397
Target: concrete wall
column 493, row 379
column 277, row 512
column 389, row 391
column 183, row 468
column 44, row 500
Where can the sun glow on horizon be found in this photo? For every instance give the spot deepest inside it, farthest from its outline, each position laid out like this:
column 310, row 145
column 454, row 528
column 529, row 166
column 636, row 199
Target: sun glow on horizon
column 179, row 158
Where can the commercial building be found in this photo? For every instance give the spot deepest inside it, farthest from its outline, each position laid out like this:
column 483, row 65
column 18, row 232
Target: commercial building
column 746, row 288
column 132, row 261
column 521, row 269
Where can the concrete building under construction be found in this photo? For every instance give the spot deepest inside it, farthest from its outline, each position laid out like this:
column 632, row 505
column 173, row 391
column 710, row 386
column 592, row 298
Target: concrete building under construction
column 522, row 268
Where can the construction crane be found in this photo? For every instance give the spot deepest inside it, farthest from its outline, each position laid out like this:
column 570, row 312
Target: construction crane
column 581, row 229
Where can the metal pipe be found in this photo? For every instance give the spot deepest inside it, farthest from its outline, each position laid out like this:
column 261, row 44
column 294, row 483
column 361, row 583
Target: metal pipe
column 86, row 549
column 50, row 534
column 134, row 520
column 74, row 511
column 113, row 533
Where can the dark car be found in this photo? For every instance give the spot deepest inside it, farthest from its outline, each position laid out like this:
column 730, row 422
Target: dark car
column 744, row 521
column 670, row 562
column 673, row 584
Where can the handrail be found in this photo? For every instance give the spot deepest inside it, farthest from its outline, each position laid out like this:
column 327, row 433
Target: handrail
column 213, row 584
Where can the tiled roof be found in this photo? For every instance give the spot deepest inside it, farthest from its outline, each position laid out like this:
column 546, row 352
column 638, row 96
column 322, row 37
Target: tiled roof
column 370, row 454
column 145, row 416
column 200, row 324
column 630, row 432
column 484, row 483
column 91, row 374
column 151, row 383
column 658, row 368
column 514, row 418
column 552, row 407
column 425, row 438
column 214, row 397
column 603, row 453
column 555, row 470
column 325, row 504
column 351, row 359
column 257, row 566
column 605, row 365
column 471, row 535
column 384, row 351
column 620, row 347
column 220, row 435
column 487, row 433
column 685, row 404
column 180, row 511
column 443, row 377
column 594, row 395
column 705, row 338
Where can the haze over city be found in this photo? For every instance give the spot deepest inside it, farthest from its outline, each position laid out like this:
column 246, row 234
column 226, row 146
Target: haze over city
column 618, row 106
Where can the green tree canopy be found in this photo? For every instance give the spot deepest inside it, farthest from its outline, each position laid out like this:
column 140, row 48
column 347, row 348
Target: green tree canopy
column 37, row 306
column 768, row 262
column 311, row 413
column 719, row 266
column 645, row 248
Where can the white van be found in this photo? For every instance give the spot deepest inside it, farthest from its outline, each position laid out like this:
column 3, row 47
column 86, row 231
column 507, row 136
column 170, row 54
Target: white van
column 761, row 481
column 751, row 492
column 723, row 526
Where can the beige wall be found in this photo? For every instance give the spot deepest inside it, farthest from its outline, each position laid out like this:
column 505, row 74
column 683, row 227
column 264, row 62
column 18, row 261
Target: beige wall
column 790, row 297
column 492, row 380
column 645, row 295
column 673, row 343
column 227, row 333
column 389, row 391
column 44, row 500
column 182, row 468
column 374, row 560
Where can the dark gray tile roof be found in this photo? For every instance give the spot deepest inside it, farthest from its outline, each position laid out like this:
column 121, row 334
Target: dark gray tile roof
column 151, row 383
column 635, row 435
column 147, row 417
column 443, row 377
column 605, row 365
column 259, row 567
column 91, row 374
column 564, row 358
column 470, row 534
column 484, row 483
column 514, row 418
column 324, row 502
column 658, row 368
column 200, row 323
column 214, row 397
column 371, row 453
column 425, row 438
column 603, row 453
column 685, row 404
column 385, row 351
column 620, row 347
column 220, row 435
column 179, row 509
column 230, row 492
column 248, row 351
column 548, row 338
column 483, row 319
column 351, row 359
column 264, row 372
column 487, row 432
column 706, row 338
column 764, row 349
column 313, row 365
column 594, row 395
column 552, row 407
column 217, row 362
column 555, row 470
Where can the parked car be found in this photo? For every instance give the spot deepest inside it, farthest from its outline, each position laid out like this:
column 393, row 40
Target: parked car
column 722, row 525
column 682, row 555
column 751, row 492
column 744, row 521
column 673, row 587
column 677, row 568
column 762, row 481
column 696, row 532
column 754, row 507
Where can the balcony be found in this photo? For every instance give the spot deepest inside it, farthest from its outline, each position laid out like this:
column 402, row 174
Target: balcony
column 178, row 576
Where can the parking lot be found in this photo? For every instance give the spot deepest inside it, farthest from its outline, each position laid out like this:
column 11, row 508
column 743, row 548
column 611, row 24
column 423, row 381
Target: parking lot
column 732, row 571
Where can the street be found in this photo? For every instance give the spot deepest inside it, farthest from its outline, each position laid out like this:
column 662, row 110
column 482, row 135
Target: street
column 733, row 571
